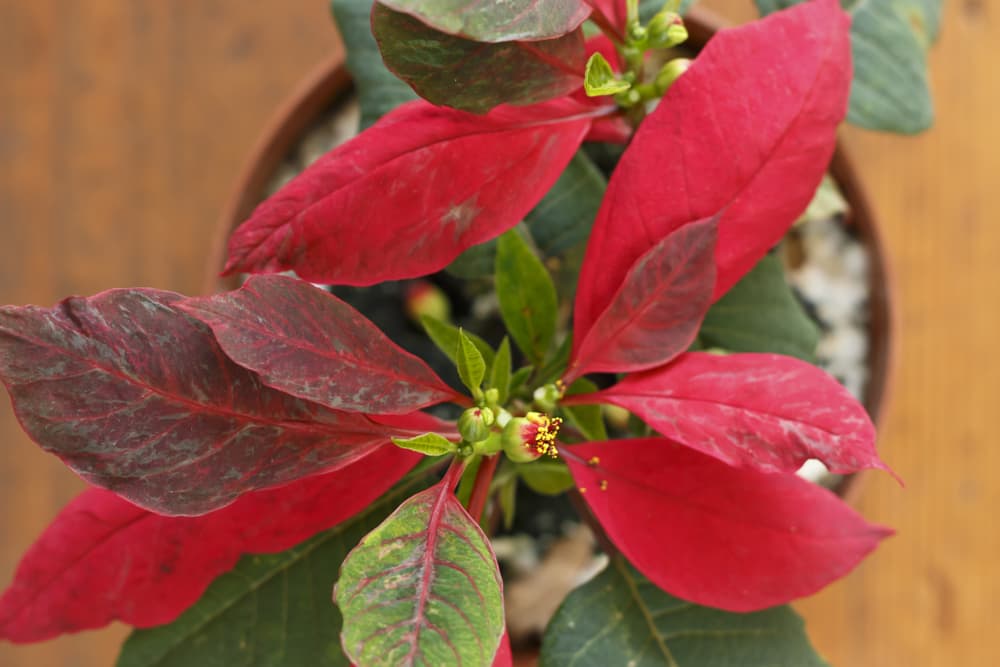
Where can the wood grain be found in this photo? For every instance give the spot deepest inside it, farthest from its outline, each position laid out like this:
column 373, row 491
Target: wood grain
column 123, row 124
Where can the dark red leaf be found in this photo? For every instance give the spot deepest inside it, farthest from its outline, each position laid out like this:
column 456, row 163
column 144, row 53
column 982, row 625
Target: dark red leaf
column 658, row 309
column 474, row 76
column 104, row 559
column 409, row 194
column 763, row 411
column 497, row 21
column 725, row 537
column 306, row 342
column 137, row 397
column 746, row 132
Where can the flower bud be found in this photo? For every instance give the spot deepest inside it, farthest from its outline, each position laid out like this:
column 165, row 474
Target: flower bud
column 531, row 436
column 546, row 396
column 670, row 73
column 474, row 424
column 424, row 298
column 666, row 30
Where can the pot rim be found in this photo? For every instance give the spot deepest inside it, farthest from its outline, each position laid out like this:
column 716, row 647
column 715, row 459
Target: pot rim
column 330, row 80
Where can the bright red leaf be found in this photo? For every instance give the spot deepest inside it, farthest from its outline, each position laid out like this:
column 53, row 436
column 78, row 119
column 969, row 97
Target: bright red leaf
column 656, row 313
column 611, row 15
column 747, row 132
column 104, row 559
column 306, row 342
column 409, row 194
column 764, row 411
column 720, row 536
column 138, row 397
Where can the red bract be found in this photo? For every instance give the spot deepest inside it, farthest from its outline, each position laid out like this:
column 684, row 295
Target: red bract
column 306, row 342
column 762, row 411
column 727, row 537
column 408, row 195
column 746, row 133
column 734, row 149
column 103, row 559
column 138, row 397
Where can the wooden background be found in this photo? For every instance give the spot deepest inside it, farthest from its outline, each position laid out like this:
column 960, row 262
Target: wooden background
column 123, row 124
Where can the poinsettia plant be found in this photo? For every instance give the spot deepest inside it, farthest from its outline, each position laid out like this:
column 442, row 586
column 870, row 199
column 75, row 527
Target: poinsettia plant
column 252, row 451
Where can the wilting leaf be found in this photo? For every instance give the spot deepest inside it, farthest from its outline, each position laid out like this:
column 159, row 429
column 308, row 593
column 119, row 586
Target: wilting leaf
column 527, row 296
column 619, row 618
column 422, row 588
column 497, row 21
column 306, row 342
column 405, row 197
column 657, row 311
column 599, row 79
column 379, row 91
column 705, row 151
column 103, row 559
column 269, row 611
column 761, row 314
column 764, row 411
column 472, row 75
column 889, row 41
column 712, row 534
column 138, row 397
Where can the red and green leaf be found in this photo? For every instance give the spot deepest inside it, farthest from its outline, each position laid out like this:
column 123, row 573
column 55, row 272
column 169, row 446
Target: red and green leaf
column 409, row 194
column 103, row 559
column 471, row 75
column 725, row 537
column 138, row 397
column 745, row 134
column 507, row 21
column 764, row 411
column 304, row 341
column 423, row 588
column 658, row 309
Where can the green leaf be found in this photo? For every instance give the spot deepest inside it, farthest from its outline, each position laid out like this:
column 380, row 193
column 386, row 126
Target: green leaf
column 761, row 314
column 549, row 478
column 268, row 611
column 430, row 444
column 599, row 79
column 379, row 91
column 496, row 21
column 827, row 203
column 588, row 418
column 620, row 618
column 472, row 75
column 889, row 43
column 507, row 499
column 500, row 371
column 422, row 588
column 561, row 221
column 527, row 296
column 446, row 337
column 519, row 377
column 471, row 365
column 557, row 365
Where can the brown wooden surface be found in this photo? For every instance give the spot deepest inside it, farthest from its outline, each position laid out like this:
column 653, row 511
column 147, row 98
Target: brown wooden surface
column 123, row 124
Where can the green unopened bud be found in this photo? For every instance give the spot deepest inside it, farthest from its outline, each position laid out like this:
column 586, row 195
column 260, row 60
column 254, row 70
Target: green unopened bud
column 474, row 424
column 637, row 34
column 670, row 73
column 666, row 30
column 547, row 396
column 492, row 396
column 531, row 436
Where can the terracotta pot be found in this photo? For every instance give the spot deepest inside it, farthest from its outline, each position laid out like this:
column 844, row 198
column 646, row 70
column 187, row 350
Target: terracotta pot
column 330, row 81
